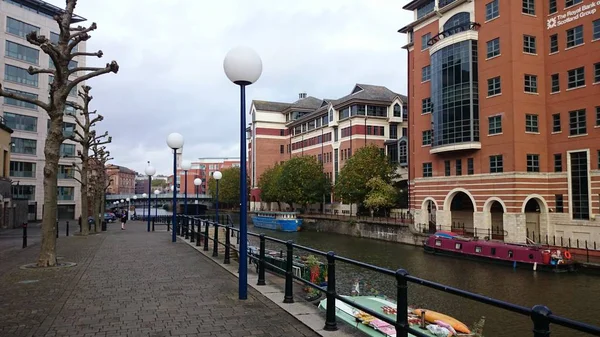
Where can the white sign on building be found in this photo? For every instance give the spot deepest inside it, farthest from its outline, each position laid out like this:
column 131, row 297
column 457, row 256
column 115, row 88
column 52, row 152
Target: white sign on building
column 573, row 14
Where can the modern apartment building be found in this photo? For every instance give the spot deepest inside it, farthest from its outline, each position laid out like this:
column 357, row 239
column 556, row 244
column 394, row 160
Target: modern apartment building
column 30, row 123
column 203, row 168
column 505, row 117
column 328, row 129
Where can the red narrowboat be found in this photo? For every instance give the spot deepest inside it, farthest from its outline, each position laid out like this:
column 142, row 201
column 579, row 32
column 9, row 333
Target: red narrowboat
column 533, row 256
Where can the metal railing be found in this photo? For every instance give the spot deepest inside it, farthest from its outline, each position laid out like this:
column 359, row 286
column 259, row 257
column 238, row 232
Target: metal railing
column 495, row 232
column 197, row 229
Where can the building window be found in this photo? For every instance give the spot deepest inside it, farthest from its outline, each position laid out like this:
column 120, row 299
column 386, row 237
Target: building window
column 579, row 197
column 65, row 172
column 531, row 123
column 597, row 73
column 20, row 122
column 23, row 192
column 447, row 168
column 24, row 146
column 529, row 45
column 54, row 39
column 596, row 30
column 20, row 75
column 577, row 125
column 495, row 125
column 555, row 79
column 557, row 162
column 569, row 3
column 21, row 104
column 528, row 7
column 576, row 78
column 575, row 36
column 470, row 167
column 397, row 110
column 20, row 28
column 424, row 39
column 556, row 122
column 458, row 167
column 23, row 53
column 425, row 9
column 393, row 131
column 531, row 83
column 427, row 135
column 598, row 116
column 426, row 105
column 494, row 86
column 403, row 157
column 492, row 10
column 281, row 149
column 427, row 170
column 552, row 7
column 21, row 169
column 493, row 48
column 67, row 150
column 553, row 43
column 533, row 163
column 558, row 200
column 426, row 73
column 66, row 193
column 496, row 165
column 404, row 132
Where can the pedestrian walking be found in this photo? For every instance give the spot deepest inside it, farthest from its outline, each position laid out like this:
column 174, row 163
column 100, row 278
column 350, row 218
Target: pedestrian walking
column 124, row 219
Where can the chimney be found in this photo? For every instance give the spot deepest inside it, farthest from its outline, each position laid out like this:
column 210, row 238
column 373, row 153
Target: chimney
column 301, row 95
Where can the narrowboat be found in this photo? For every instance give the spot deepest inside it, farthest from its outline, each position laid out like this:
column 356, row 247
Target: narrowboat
column 532, row 255
column 278, row 221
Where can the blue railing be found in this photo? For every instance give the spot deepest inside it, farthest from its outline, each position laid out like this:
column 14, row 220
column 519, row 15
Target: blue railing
column 196, row 229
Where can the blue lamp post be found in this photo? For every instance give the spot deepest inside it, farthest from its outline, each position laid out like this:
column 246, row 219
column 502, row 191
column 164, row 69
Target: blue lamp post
column 185, row 166
column 197, row 183
column 217, row 175
column 156, row 193
column 175, row 142
column 243, row 67
column 150, row 171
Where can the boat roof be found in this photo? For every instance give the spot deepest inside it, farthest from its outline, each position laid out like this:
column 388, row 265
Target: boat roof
column 487, row 243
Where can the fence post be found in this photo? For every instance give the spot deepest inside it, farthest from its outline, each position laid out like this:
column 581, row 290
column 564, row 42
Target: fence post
column 402, row 300
column 205, row 235
column 587, row 252
column 541, row 323
column 227, row 249
column 289, row 276
column 67, row 230
column 192, row 232
column 330, row 322
column 24, row 234
column 168, row 225
column 261, row 261
column 577, row 243
column 56, row 228
column 198, row 232
column 216, row 240
column 153, row 221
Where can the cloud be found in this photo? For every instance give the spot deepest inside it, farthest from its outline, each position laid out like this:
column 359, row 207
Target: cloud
column 171, row 65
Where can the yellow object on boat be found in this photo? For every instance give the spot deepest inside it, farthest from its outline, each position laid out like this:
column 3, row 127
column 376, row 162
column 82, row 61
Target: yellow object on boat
column 432, row 316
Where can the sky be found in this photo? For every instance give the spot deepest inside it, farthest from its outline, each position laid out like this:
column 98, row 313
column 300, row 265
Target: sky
column 171, row 76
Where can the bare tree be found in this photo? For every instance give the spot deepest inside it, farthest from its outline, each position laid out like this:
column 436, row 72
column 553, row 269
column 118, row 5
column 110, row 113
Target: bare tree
column 100, row 181
column 61, row 54
column 87, row 138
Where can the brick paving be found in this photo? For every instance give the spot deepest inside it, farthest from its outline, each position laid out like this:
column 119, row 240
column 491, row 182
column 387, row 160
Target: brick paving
column 131, row 283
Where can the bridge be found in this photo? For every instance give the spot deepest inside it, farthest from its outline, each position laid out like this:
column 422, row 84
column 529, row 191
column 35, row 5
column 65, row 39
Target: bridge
column 161, row 199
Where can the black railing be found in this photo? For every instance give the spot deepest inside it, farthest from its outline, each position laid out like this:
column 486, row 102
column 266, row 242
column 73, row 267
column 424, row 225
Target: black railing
column 453, row 30
column 540, row 315
column 495, row 232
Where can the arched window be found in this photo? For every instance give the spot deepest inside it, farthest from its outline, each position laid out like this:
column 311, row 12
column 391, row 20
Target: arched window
column 397, row 110
column 403, row 160
column 457, row 23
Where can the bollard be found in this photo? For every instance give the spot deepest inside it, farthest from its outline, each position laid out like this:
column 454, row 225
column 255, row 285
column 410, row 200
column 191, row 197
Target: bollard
column 330, row 322
column 192, row 234
column 541, row 323
column 216, row 240
column 227, row 249
column 205, row 235
column 198, row 232
column 261, row 261
column 24, row 234
column 153, row 221
column 67, row 230
column 168, row 225
column 56, row 228
column 289, row 276
column 79, row 222
column 186, row 233
column 402, row 300
column 104, row 225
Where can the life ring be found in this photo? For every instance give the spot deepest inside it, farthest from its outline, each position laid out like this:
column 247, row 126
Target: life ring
column 568, row 255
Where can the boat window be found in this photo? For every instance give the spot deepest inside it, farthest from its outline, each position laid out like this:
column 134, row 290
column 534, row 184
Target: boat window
column 510, row 253
column 493, row 251
column 458, row 246
column 531, row 256
column 477, row 249
column 438, row 243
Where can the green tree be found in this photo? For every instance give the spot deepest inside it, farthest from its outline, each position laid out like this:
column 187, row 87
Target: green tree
column 302, row 181
column 366, row 163
column 229, row 187
column 381, row 195
column 268, row 184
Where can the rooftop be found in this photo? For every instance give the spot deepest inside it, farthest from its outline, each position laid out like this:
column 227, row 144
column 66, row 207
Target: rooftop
column 43, row 8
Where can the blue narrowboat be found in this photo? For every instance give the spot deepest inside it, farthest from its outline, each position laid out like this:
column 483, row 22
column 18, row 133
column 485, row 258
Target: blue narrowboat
column 278, row 221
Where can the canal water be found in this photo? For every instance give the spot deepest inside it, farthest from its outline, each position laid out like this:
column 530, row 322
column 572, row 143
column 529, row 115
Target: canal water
column 573, row 295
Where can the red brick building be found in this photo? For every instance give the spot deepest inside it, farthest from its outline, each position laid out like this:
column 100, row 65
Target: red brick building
column 505, row 115
column 203, row 168
column 122, row 180
column 328, row 129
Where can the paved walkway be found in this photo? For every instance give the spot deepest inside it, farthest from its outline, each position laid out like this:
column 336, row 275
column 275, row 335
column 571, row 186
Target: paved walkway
column 131, row 283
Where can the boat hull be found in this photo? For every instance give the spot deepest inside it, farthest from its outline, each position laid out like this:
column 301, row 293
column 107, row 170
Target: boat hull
column 282, row 225
column 557, row 268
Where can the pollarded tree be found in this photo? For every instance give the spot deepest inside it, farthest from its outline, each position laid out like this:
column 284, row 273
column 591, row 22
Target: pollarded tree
column 99, row 180
column 367, row 162
column 87, row 138
column 268, row 185
column 61, row 55
column 302, row 181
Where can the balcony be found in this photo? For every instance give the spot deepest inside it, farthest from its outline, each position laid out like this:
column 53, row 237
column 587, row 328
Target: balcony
column 463, row 27
column 466, row 146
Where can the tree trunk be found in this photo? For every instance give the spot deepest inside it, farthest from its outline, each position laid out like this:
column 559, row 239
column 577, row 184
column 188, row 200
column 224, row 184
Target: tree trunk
column 84, row 194
column 47, row 257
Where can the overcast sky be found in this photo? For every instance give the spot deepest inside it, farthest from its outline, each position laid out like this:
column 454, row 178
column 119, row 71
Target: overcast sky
column 171, row 75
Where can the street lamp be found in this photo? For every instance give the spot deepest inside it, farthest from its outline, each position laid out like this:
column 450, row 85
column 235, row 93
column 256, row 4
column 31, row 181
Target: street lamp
column 186, row 165
column 150, row 171
column 134, row 199
column 243, row 67
column 128, row 207
column 197, row 182
column 175, row 142
column 217, row 175
column 156, row 193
